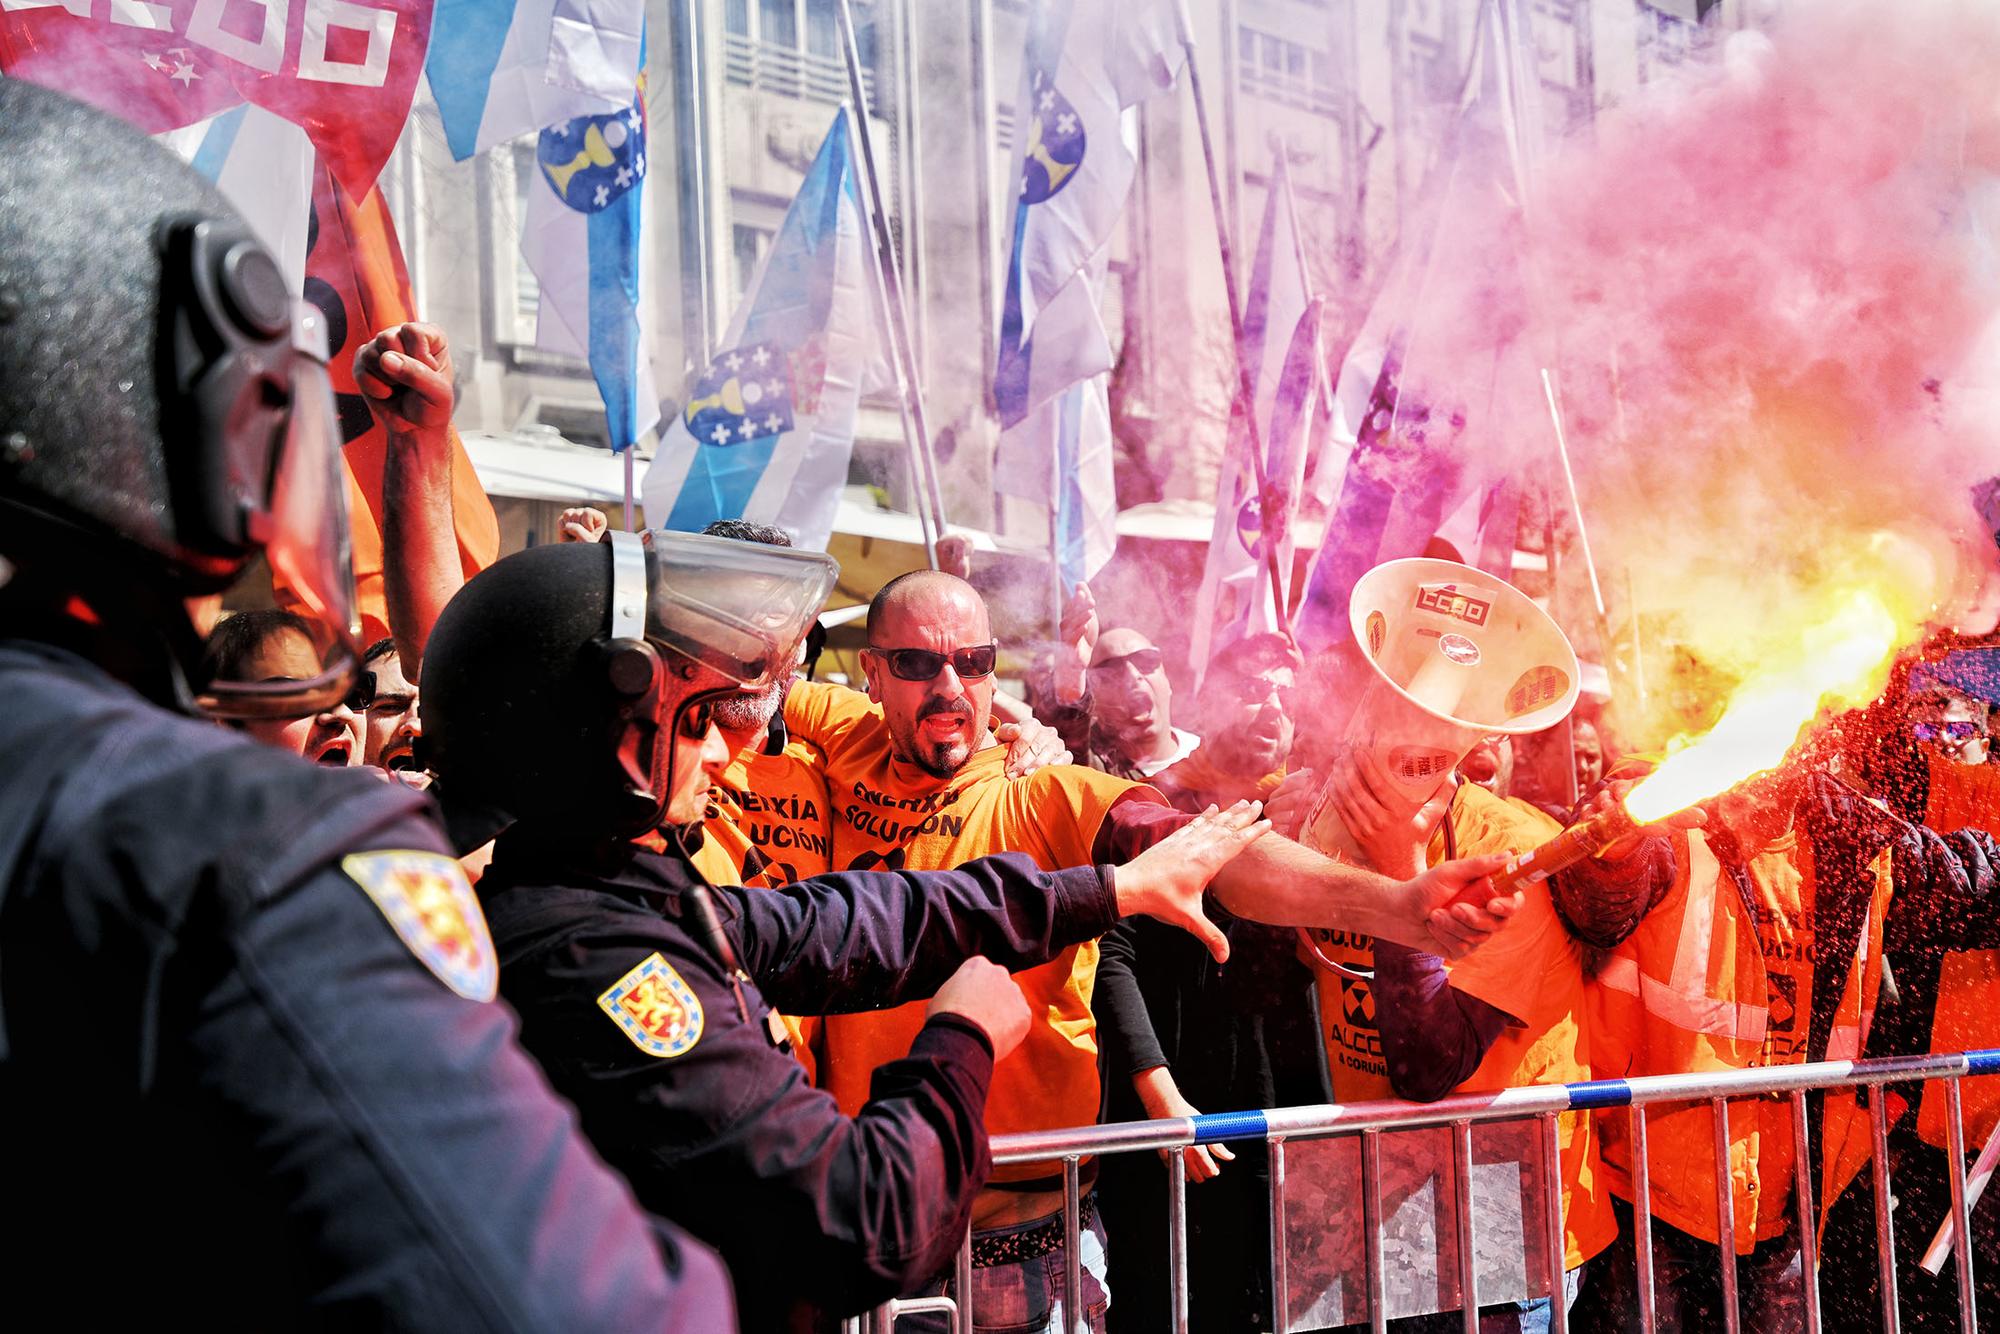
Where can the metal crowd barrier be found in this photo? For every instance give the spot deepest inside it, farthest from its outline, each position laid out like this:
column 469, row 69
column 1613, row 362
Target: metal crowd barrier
column 1542, row 1103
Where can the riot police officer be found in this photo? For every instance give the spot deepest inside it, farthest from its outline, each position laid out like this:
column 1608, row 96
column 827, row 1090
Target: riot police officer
column 570, row 689
column 247, row 1055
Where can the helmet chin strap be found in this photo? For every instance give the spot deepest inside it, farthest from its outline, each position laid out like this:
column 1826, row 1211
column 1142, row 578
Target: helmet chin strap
column 628, row 585
column 637, row 677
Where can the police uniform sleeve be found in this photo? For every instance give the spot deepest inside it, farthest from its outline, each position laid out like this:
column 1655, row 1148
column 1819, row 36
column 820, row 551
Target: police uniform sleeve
column 718, row 1129
column 862, row 940
column 390, row 1135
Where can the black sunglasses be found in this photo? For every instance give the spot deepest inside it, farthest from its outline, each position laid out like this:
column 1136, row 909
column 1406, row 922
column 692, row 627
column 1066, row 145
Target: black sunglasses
column 921, row 664
column 693, row 721
column 1144, row 661
column 362, row 693
column 1956, row 730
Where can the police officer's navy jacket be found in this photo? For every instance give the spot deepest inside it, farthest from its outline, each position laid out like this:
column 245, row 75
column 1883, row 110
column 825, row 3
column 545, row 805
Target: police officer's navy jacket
column 233, row 1095
column 629, row 1008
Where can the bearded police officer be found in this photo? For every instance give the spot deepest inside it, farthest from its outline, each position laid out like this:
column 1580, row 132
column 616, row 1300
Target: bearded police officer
column 247, row 1052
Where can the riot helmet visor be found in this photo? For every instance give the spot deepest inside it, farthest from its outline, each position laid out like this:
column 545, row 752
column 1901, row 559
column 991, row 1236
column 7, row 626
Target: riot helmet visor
column 307, row 568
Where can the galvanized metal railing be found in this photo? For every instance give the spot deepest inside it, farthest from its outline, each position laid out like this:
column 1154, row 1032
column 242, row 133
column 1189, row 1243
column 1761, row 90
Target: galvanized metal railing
column 1541, row 1103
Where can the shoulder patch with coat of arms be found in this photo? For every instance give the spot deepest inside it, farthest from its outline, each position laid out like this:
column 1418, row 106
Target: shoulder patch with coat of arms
column 432, row 906
column 654, row 1008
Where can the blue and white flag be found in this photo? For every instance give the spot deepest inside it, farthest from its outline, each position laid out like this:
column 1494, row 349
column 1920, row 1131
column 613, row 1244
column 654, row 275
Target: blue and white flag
column 263, row 164
column 500, row 69
column 1062, row 456
column 1085, row 64
column 1235, row 581
column 582, row 237
column 768, row 424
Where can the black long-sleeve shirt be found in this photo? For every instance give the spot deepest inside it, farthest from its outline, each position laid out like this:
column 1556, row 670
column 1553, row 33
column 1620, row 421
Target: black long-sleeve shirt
column 1235, row 1036
column 624, row 1000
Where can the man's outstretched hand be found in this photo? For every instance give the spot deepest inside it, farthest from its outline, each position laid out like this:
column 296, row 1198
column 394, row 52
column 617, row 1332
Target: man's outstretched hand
column 405, row 374
column 1166, row 880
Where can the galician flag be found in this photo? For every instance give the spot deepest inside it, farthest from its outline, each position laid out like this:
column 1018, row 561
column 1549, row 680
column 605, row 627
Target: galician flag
column 768, row 425
column 1408, row 475
column 1086, row 62
column 1062, row 456
column 503, row 68
column 1235, row 583
column 582, row 237
column 263, row 164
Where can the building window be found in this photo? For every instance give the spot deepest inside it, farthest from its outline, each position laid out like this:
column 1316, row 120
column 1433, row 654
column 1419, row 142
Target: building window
column 778, row 22
column 1666, row 35
column 527, row 289
column 1279, row 70
column 517, row 295
column 792, row 48
column 747, row 246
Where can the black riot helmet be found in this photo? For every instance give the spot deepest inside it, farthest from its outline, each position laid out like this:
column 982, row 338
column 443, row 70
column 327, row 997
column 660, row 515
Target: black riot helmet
column 554, row 680
column 165, row 416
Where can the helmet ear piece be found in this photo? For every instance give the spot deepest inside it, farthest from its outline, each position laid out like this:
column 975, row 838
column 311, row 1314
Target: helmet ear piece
column 635, row 679
column 225, row 391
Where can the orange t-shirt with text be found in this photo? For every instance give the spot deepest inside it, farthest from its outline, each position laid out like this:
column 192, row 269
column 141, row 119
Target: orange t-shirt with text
column 888, row 814
column 769, row 824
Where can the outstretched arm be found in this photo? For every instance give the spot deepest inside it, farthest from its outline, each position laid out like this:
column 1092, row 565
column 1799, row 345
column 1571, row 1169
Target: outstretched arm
column 1278, row 882
column 1282, row 883
column 859, row 940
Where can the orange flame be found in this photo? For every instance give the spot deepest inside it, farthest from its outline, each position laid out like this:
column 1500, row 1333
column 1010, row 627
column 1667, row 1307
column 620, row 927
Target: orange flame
column 1842, row 660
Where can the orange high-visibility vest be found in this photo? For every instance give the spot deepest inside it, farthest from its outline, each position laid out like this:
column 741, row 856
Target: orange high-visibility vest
column 1706, row 983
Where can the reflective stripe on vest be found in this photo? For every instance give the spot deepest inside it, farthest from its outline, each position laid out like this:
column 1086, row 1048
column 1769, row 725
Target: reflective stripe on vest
column 1683, row 1000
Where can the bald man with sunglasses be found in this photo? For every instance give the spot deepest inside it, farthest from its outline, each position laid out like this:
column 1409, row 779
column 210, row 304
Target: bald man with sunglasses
column 912, row 789
column 1131, row 705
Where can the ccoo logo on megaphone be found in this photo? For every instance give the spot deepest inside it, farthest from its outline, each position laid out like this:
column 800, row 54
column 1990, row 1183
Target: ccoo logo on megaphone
column 1457, row 654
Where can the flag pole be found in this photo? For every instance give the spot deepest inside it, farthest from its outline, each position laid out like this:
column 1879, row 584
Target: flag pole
column 1245, row 389
column 889, row 285
column 628, row 486
column 1569, row 481
column 1321, row 376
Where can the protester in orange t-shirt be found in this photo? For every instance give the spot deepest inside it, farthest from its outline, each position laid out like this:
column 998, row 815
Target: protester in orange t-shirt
column 910, row 788
column 1508, row 1016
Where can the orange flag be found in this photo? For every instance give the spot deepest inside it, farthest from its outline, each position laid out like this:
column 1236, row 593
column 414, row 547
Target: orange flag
column 356, row 276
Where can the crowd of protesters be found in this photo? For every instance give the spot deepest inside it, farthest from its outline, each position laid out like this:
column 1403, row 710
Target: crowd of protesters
column 793, row 949
column 1846, row 904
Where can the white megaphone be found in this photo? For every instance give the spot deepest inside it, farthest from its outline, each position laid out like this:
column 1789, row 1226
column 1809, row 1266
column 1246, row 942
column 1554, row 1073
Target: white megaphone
column 1458, row 654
